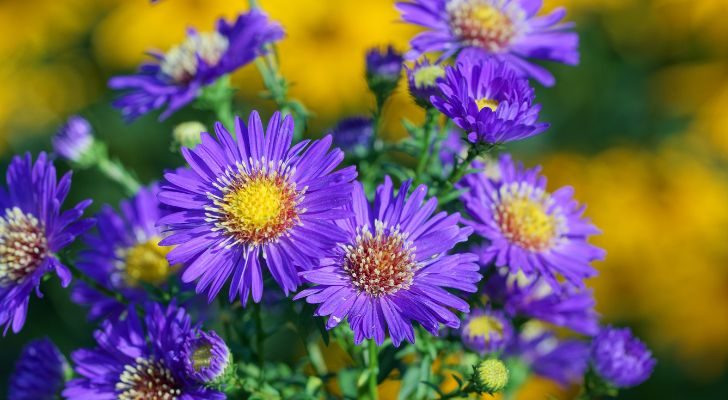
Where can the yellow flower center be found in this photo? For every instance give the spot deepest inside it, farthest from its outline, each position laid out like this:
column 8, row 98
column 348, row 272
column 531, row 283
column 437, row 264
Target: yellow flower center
column 482, row 23
column 202, row 357
column 23, row 245
column 525, row 222
column 427, row 75
column 489, row 103
column 181, row 62
column 147, row 262
column 483, row 326
column 257, row 208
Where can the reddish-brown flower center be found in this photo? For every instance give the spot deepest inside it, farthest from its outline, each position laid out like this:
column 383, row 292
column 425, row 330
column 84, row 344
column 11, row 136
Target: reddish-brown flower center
column 147, row 379
column 382, row 263
column 23, row 245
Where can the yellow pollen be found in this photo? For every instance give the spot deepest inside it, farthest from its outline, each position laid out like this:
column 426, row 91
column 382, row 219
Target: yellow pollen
column 484, row 327
column 258, row 208
column 146, row 262
column 484, row 102
column 489, row 17
column 427, row 75
column 525, row 222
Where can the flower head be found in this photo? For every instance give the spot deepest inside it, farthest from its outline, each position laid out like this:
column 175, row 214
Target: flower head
column 250, row 198
column 137, row 359
column 422, row 81
column 383, row 69
column 205, row 357
column 620, row 358
column 123, row 254
column 74, row 139
column 176, row 77
column 32, row 230
column 508, row 30
column 491, row 375
column 534, row 298
column 353, row 134
column 489, row 101
column 529, row 229
column 393, row 268
column 39, row 373
column 486, row 331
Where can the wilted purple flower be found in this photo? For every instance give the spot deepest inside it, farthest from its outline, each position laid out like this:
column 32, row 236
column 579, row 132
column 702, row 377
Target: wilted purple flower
column 32, row 230
column 252, row 197
column 353, row 134
column 74, row 139
column 486, row 331
column 393, row 268
column 39, row 373
column 508, row 30
column 135, row 360
column 528, row 229
column 620, row 358
column 176, row 77
column 205, row 357
column 489, row 101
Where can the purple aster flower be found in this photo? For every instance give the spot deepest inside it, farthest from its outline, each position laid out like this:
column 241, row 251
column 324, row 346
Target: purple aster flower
column 489, row 101
column 486, row 331
column 383, row 69
column 528, row 229
column 251, row 197
column 135, row 360
column 422, row 81
column 620, row 358
column 176, row 77
column 74, row 139
column 353, row 134
column 534, row 298
column 32, row 230
column 124, row 254
column 508, row 30
column 205, row 357
column 39, row 373
column 392, row 268
column 563, row 361
column 451, row 149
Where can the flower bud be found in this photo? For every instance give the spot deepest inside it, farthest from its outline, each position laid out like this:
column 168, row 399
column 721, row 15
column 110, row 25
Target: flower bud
column 422, row 81
column 383, row 70
column 187, row 134
column 74, row 140
column 491, row 375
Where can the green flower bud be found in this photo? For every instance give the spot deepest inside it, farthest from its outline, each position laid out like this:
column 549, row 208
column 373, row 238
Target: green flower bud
column 491, row 375
column 187, row 134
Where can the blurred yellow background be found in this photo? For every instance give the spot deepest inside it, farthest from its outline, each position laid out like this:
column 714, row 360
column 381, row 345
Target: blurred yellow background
column 660, row 198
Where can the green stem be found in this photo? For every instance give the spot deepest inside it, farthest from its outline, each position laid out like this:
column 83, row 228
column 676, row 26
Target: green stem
column 429, row 128
column 373, row 369
column 474, row 152
column 116, row 172
column 259, row 336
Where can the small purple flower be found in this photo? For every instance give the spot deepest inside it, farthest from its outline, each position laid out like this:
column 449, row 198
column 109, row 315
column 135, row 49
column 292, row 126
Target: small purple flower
column 528, row 229
column 422, row 81
column 393, row 268
column 205, row 357
column 508, row 30
column 74, row 139
column 489, row 101
column 486, row 331
column 533, row 298
column 383, row 70
column 451, row 149
column 563, row 361
column 124, row 254
column 135, row 360
column 620, row 358
column 353, row 134
column 39, row 373
column 176, row 77
column 32, row 230
column 253, row 196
